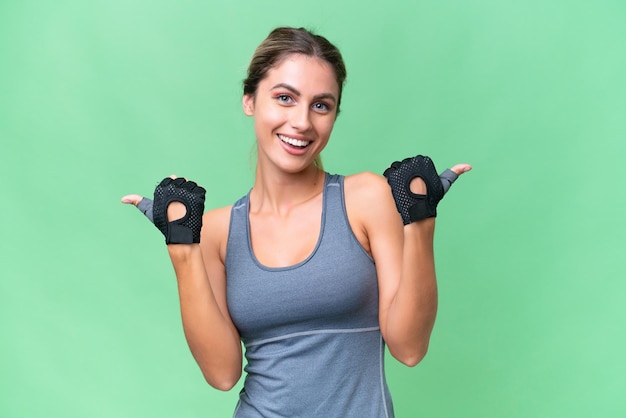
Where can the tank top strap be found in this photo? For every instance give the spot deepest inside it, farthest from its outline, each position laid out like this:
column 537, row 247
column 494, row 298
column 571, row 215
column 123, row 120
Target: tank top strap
column 333, row 212
column 238, row 228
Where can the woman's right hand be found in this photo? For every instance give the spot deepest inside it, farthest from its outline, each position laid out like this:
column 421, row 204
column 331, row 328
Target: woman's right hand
column 176, row 211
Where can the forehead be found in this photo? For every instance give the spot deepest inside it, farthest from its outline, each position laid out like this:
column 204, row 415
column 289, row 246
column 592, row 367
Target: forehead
column 307, row 74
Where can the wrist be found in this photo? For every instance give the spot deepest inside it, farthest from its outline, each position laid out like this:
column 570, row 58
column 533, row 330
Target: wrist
column 423, row 227
column 182, row 251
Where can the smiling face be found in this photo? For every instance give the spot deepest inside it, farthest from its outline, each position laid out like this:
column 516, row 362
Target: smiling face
column 294, row 110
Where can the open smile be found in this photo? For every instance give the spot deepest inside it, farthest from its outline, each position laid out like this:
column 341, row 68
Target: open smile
column 298, row 143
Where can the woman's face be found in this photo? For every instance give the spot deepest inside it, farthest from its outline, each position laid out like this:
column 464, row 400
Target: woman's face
column 294, row 111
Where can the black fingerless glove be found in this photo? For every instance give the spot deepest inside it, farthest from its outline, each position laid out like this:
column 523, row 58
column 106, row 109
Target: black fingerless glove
column 414, row 207
column 185, row 230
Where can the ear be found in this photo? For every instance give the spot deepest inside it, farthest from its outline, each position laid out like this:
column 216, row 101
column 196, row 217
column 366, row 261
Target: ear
column 247, row 103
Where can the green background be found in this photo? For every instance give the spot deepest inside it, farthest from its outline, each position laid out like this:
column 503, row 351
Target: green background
column 103, row 98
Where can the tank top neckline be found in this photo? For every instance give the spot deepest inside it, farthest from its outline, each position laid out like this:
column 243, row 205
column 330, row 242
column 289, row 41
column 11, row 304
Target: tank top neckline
column 327, row 178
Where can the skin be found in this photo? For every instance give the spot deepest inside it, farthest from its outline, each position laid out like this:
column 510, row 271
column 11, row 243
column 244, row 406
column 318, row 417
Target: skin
column 297, row 100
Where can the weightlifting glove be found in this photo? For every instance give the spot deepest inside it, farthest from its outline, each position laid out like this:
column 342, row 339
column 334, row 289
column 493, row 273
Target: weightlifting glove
column 146, row 207
column 412, row 206
column 185, row 230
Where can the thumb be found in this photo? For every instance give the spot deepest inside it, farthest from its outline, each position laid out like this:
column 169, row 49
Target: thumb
column 142, row 203
column 461, row 168
column 132, row 199
column 449, row 176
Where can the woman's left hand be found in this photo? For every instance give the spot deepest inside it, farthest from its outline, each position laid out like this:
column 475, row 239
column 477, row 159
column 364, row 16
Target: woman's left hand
column 417, row 188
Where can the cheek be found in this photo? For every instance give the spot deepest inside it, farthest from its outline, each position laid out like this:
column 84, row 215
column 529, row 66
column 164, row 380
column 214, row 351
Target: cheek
column 326, row 127
column 268, row 119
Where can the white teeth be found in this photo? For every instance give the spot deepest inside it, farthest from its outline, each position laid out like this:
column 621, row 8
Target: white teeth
column 293, row 141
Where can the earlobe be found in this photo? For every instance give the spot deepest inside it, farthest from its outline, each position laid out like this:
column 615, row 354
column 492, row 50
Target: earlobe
column 248, row 104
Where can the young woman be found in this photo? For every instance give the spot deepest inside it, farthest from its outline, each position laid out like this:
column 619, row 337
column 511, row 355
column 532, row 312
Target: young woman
column 315, row 273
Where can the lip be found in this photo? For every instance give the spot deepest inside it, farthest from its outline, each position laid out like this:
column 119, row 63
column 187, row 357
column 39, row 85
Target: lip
column 291, row 149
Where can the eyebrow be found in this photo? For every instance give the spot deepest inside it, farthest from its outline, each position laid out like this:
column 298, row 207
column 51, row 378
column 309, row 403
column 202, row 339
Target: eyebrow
column 292, row 89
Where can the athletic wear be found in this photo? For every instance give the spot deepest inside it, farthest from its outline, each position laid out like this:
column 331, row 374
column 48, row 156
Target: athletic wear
column 412, row 206
column 447, row 178
column 185, row 230
column 311, row 331
column 146, row 206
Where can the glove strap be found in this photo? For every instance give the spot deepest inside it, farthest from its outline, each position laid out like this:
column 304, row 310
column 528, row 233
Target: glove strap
column 178, row 233
column 419, row 210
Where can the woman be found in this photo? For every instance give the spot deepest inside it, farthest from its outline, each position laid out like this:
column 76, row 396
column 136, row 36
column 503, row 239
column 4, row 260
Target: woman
column 314, row 272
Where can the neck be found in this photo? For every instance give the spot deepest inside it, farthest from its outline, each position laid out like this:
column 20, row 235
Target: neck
column 278, row 192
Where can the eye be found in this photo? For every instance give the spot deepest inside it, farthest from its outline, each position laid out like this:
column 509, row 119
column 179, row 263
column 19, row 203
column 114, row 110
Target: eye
column 321, row 107
column 284, row 98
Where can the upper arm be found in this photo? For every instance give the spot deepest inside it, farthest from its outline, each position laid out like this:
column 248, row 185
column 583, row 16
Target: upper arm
column 213, row 240
column 375, row 219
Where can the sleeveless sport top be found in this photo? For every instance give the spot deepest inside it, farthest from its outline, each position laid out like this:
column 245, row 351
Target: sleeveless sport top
column 311, row 334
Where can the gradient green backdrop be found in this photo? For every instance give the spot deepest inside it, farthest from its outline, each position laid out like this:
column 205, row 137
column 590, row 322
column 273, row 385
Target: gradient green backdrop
column 103, row 98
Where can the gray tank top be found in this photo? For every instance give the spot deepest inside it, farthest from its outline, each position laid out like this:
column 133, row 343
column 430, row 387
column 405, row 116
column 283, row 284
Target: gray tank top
column 311, row 333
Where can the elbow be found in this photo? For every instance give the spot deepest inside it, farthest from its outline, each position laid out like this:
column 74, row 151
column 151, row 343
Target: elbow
column 224, row 382
column 413, row 360
column 224, row 386
column 410, row 357
column 221, row 372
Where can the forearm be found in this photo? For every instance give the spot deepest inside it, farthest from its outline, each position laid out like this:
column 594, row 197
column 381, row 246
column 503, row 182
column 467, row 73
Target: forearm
column 212, row 338
column 412, row 312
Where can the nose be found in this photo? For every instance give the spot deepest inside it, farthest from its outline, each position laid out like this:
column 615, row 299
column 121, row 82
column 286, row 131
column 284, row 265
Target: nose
column 300, row 118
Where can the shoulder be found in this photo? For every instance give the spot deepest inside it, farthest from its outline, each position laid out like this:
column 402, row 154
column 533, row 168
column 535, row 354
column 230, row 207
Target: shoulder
column 370, row 208
column 217, row 218
column 367, row 187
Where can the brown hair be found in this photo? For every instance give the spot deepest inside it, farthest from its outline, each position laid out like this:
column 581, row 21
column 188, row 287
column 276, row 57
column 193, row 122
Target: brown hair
column 285, row 41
